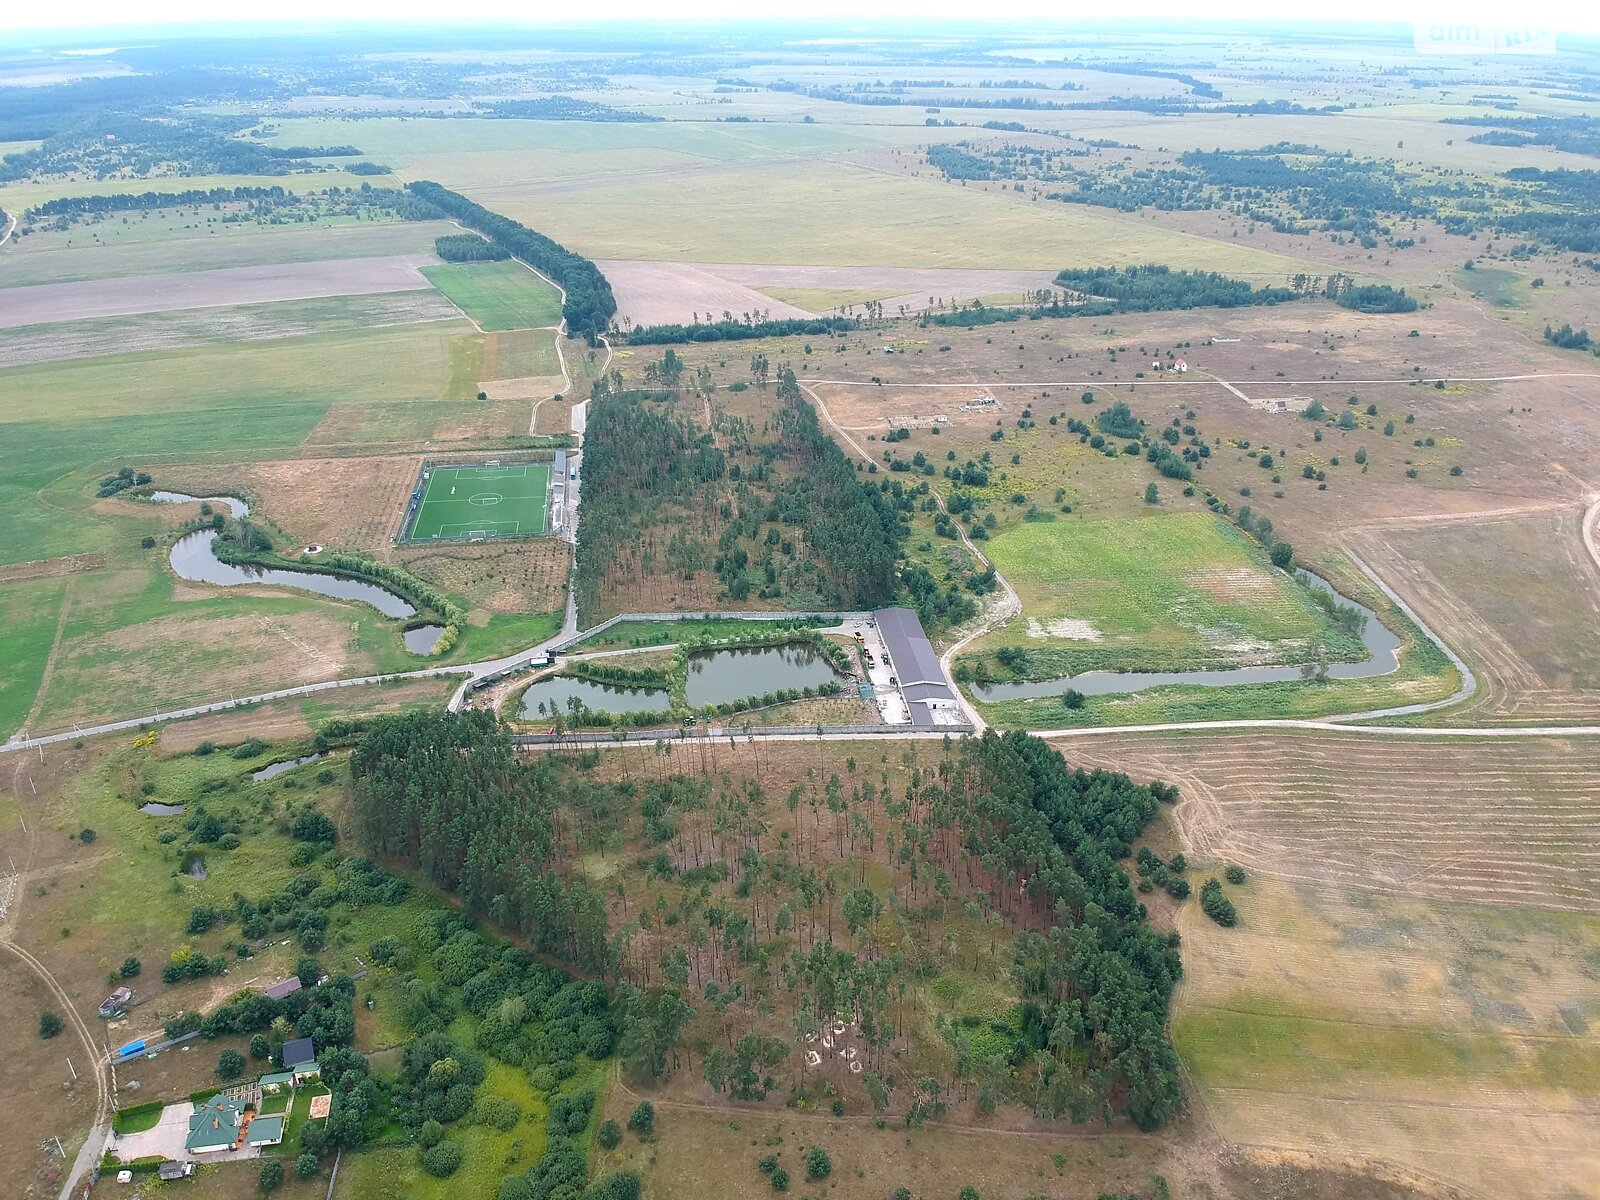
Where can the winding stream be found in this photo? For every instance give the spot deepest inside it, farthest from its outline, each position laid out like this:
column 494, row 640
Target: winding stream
column 193, row 559
column 1382, row 646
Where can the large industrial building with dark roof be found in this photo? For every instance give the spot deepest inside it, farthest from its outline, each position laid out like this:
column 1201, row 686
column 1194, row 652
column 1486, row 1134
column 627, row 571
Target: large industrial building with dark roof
column 930, row 698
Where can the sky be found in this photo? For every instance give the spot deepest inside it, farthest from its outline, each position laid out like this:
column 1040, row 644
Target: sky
column 1570, row 15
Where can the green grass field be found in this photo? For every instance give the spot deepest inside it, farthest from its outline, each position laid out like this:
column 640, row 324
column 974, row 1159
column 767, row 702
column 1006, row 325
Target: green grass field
column 498, row 295
column 1178, row 590
column 470, row 502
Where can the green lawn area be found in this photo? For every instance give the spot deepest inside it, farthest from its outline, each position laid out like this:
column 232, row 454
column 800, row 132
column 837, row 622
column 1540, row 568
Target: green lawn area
column 1161, row 592
column 28, row 614
column 138, row 1118
column 498, row 295
column 272, row 1105
column 299, row 1114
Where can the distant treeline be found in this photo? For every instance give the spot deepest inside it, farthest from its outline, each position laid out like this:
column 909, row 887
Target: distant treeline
column 403, row 204
column 589, row 305
column 736, row 331
column 1375, row 298
column 311, row 151
column 1109, row 290
column 562, row 108
column 958, row 164
column 1156, row 288
column 469, row 247
column 1575, row 135
column 130, row 202
column 106, row 145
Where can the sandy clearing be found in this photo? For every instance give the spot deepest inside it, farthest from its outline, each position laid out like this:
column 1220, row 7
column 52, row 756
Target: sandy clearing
column 49, row 302
column 655, row 293
column 650, row 292
column 910, row 286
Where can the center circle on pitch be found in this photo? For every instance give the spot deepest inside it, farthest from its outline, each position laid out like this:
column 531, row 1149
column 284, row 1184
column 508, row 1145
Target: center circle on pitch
column 485, row 499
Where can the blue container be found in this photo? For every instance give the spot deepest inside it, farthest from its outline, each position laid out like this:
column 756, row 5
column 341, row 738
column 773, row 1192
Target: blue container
column 130, row 1048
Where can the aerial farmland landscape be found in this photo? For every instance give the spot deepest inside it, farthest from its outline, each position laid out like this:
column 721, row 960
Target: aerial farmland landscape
column 866, row 604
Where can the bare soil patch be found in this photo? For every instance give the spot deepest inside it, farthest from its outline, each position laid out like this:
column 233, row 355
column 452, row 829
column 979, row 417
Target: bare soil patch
column 51, row 568
column 355, row 503
column 656, row 293
column 286, row 720
column 507, row 577
column 50, row 302
column 35, row 1086
column 652, row 292
column 173, row 661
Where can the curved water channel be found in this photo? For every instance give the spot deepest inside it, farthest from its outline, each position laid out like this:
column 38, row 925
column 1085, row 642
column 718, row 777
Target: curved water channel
column 194, row 559
column 1381, row 643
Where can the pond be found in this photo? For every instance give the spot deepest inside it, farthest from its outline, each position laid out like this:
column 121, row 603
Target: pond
column 1382, row 657
column 723, row 676
column 553, row 693
column 157, row 809
column 556, row 692
column 421, row 639
column 194, row 559
column 238, row 507
column 288, row 764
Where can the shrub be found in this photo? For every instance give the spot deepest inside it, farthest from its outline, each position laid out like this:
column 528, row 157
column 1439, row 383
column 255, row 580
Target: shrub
column 643, row 1119
column 967, row 1192
column 1234, row 875
column 780, row 1180
column 1073, row 698
column 305, row 1166
column 230, row 1064
column 259, row 1046
column 609, row 1136
column 49, row 1024
column 131, row 967
column 86, row 836
column 271, row 1175
column 442, row 1161
column 1217, row 906
column 430, row 1135
column 767, row 1164
column 818, row 1164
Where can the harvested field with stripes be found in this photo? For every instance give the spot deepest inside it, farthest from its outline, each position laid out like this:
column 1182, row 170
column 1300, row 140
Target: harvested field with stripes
column 1529, row 626
column 1495, row 822
column 1458, row 1040
column 1415, row 976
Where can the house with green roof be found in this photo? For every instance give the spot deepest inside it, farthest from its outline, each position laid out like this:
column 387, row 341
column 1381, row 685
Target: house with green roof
column 215, row 1125
column 277, row 1083
column 264, row 1131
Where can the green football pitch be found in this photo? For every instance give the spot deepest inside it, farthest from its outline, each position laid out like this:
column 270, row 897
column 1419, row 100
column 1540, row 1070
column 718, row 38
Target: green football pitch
column 483, row 502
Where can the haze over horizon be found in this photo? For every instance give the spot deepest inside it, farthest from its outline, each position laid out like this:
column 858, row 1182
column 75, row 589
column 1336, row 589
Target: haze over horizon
column 170, row 16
